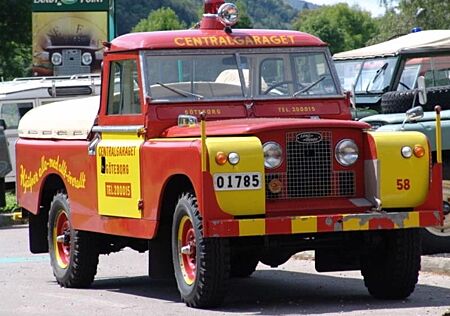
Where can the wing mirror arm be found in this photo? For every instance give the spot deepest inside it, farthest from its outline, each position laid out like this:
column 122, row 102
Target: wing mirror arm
column 413, row 114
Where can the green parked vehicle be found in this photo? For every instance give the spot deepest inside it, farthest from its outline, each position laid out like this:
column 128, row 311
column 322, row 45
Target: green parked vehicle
column 385, row 80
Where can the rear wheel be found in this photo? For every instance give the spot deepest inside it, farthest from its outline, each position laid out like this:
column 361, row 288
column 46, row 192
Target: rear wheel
column 73, row 253
column 391, row 269
column 201, row 265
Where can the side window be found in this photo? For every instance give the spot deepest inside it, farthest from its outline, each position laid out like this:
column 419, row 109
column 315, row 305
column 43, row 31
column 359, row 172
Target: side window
column 12, row 112
column 123, row 88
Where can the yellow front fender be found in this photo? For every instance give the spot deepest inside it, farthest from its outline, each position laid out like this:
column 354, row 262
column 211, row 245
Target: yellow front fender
column 243, row 199
column 396, row 181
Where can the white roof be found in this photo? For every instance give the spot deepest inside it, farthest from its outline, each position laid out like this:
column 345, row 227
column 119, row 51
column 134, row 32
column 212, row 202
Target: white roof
column 20, row 85
column 72, row 119
column 433, row 39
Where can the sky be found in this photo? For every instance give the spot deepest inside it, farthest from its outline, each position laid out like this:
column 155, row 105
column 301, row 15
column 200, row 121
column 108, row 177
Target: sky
column 373, row 6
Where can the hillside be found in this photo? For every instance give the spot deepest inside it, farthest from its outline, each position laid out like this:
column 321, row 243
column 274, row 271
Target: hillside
column 263, row 13
column 301, row 5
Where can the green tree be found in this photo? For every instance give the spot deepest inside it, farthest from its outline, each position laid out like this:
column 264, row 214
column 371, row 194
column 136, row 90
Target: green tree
column 159, row 20
column 427, row 14
column 245, row 22
column 15, row 38
column 342, row 27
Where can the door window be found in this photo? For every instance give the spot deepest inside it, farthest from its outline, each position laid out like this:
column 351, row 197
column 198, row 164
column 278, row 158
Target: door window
column 12, row 112
column 124, row 96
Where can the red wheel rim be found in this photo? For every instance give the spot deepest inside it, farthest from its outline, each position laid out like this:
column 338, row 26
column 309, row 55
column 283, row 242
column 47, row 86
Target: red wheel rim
column 187, row 250
column 61, row 235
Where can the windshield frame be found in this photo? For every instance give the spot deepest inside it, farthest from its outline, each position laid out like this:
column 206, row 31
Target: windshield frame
column 249, row 92
column 389, row 66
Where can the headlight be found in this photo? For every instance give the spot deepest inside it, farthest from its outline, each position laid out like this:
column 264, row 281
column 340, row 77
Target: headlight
column 86, row 59
column 56, row 59
column 346, row 152
column 273, row 155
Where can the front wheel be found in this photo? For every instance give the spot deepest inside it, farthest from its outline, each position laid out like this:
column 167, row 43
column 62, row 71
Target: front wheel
column 391, row 269
column 201, row 265
column 73, row 253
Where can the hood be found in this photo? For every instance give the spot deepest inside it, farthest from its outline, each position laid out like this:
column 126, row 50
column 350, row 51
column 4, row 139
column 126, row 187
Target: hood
column 397, row 118
column 251, row 126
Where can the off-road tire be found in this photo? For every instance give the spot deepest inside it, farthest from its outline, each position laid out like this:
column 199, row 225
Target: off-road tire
column 398, row 101
column 438, row 96
column 433, row 243
column 243, row 265
column 401, row 101
column 208, row 283
column 80, row 267
column 391, row 269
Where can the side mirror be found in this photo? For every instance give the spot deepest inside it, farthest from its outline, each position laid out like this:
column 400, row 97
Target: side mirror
column 413, row 114
column 3, row 123
column 422, row 90
column 353, row 97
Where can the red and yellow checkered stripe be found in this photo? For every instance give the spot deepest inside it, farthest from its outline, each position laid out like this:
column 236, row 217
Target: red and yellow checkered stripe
column 321, row 223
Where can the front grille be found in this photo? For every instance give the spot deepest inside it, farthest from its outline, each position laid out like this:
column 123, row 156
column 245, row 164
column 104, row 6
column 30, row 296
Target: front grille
column 309, row 169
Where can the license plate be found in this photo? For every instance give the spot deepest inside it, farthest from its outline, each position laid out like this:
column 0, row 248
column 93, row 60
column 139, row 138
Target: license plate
column 237, row 181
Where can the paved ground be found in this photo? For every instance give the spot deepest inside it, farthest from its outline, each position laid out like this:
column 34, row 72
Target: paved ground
column 27, row 287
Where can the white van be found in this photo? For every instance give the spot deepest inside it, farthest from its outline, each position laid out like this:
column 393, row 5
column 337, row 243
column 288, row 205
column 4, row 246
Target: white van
column 20, row 95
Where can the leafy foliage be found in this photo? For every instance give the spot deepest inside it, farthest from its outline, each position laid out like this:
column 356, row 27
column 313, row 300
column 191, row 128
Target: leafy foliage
column 15, row 38
column 11, row 203
column 344, row 28
column 254, row 13
column 427, row 14
column 130, row 12
column 159, row 20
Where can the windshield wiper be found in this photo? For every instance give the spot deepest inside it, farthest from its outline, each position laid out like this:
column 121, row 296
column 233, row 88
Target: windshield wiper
column 183, row 93
column 381, row 70
column 307, row 88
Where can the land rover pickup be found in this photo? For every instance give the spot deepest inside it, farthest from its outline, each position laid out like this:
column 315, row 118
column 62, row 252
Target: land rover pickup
column 215, row 149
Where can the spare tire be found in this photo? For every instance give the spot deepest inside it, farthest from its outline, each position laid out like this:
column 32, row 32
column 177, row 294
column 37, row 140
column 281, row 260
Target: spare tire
column 401, row 101
column 438, row 96
column 398, row 101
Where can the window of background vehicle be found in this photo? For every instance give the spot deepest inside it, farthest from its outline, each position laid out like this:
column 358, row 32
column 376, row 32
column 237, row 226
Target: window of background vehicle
column 12, row 112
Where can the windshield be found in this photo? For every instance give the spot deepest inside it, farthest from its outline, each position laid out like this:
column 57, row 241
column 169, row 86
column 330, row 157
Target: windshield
column 435, row 69
column 368, row 76
column 246, row 74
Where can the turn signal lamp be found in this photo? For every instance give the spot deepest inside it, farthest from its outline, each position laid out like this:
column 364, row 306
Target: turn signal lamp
column 419, row 151
column 221, row 158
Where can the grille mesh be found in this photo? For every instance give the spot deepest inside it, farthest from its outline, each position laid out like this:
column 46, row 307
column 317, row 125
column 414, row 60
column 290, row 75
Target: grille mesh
column 309, row 171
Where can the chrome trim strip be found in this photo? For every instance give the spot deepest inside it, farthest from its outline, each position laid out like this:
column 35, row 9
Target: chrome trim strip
column 118, row 129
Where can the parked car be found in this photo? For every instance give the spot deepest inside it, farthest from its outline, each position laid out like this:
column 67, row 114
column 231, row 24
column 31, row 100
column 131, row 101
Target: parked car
column 384, row 78
column 5, row 163
column 20, row 95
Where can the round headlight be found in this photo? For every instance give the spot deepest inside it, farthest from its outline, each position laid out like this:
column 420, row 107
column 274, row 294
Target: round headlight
column 228, row 14
column 56, row 59
column 407, row 152
column 346, row 152
column 273, row 155
column 233, row 158
column 86, row 59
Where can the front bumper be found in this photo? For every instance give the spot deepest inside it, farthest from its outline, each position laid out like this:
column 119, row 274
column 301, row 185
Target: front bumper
column 322, row 223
